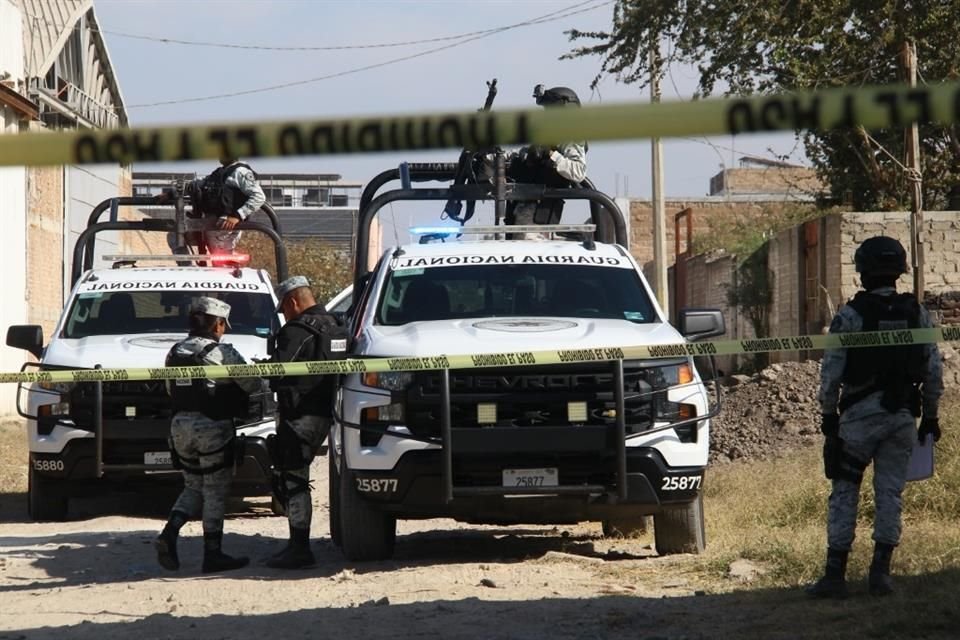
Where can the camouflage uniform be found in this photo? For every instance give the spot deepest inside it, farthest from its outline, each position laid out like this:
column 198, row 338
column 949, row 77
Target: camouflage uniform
column 870, row 433
column 200, row 440
column 312, row 430
column 245, row 181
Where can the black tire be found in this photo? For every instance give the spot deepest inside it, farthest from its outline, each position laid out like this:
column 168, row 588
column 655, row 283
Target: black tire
column 333, row 501
column 680, row 530
column 365, row 533
column 625, row 526
column 45, row 500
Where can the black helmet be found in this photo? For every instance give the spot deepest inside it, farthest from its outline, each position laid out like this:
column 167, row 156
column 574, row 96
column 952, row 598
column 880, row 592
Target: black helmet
column 556, row 96
column 880, row 256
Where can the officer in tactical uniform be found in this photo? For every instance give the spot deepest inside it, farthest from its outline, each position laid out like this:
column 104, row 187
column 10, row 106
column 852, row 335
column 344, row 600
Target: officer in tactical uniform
column 870, row 398
column 556, row 167
column 202, row 435
column 304, row 405
column 240, row 196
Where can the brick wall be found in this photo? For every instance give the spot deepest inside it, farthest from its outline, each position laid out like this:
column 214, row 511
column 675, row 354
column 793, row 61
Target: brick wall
column 786, row 180
column 44, row 246
column 641, row 223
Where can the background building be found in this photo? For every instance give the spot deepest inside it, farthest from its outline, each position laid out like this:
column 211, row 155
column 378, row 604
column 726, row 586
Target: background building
column 55, row 72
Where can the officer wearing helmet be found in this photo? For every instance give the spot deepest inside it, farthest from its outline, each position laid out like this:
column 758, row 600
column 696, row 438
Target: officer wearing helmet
column 870, row 399
column 559, row 166
column 202, row 434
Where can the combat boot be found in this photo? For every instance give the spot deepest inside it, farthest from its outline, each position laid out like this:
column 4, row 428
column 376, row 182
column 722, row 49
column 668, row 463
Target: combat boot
column 833, row 584
column 166, row 543
column 879, row 580
column 214, row 559
column 297, row 553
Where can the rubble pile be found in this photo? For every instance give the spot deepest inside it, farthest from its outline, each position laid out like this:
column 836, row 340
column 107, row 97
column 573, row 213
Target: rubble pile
column 767, row 414
column 775, row 411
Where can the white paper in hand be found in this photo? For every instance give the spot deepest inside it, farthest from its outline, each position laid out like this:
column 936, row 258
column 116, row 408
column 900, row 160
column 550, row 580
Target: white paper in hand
column 921, row 460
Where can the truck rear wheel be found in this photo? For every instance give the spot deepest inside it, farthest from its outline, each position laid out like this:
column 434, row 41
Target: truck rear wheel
column 365, row 533
column 680, row 530
column 45, row 500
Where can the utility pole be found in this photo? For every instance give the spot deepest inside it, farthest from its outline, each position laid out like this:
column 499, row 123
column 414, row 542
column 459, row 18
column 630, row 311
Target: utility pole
column 659, row 217
column 912, row 160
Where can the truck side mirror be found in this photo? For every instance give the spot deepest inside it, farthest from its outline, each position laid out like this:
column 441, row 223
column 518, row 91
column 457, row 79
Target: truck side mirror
column 698, row 324
column 26, row 336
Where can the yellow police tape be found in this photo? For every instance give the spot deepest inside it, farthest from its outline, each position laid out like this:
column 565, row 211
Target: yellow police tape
column 872, row 107
column 505, row 359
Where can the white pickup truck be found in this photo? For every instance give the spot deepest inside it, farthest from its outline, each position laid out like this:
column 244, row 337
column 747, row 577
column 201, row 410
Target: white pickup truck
column 87, row 437
column 611, row 441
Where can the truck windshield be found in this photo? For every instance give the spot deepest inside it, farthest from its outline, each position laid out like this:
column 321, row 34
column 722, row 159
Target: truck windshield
column 131, row 312
column 529, row 290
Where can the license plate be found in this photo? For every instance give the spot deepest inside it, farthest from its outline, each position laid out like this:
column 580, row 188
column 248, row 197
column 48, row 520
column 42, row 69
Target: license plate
column 157, row 458
column 530, row 478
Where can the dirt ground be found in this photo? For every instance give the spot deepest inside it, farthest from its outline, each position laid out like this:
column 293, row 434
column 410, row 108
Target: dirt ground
column 96, row 577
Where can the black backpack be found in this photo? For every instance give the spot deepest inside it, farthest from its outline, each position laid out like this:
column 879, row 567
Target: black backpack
column 214, row 197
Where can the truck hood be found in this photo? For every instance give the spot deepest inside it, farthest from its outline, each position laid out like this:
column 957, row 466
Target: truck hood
column 493, row 335
column 133, row 351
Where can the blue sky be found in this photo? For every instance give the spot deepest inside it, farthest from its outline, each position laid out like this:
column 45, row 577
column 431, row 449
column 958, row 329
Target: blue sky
column 453, row 79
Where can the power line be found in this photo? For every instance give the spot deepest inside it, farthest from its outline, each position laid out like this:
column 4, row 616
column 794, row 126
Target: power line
column 571, row 10
column 253, row 47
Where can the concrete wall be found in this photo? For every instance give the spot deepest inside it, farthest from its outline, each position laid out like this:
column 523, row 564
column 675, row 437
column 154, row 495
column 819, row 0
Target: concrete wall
column 941, row 245
column 13, row 197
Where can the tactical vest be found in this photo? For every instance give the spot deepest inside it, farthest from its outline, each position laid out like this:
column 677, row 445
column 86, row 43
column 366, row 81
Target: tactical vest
column 538, row 172
column 221, row 401
column 895, row 369
column 327, row 340
column 215, row 197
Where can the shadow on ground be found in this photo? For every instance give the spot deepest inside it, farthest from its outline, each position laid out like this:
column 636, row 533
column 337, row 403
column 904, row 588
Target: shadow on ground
column 767, row 613
column 77, row 558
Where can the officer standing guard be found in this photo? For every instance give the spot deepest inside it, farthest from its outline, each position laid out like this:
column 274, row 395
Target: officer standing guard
column 202, row 434
column 304, row 405
column 870, row 399
column 561, row 166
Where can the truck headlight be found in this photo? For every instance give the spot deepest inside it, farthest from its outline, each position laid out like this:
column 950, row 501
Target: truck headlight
column 676, row 375
column 389, row 380
column 63, row 388
column 392, row 413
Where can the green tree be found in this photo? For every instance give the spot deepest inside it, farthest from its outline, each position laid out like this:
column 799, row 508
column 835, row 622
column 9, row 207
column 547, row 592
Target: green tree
column 767, row 46
column 328, row 268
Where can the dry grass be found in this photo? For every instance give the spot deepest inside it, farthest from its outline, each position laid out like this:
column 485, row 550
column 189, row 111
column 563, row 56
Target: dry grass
column 775, row 513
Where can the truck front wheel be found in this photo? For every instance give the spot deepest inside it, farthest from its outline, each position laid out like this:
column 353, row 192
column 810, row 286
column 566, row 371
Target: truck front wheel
column 45, row 500
column 365, row 533
column 680, row 529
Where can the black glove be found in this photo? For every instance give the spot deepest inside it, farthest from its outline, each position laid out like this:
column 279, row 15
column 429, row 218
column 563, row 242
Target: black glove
column 929, row 426
column 832, row 454
column 538, row 154
column 830, row 425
